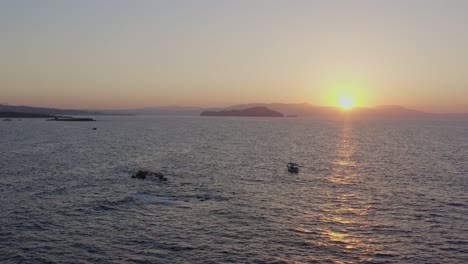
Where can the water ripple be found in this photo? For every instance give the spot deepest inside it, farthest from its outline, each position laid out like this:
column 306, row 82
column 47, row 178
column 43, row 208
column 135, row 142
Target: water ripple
column 368, row 192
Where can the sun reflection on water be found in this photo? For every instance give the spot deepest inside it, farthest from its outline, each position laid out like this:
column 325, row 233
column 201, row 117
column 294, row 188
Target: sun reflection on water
column 342, row 219
column 346, row 209
column 345, row 163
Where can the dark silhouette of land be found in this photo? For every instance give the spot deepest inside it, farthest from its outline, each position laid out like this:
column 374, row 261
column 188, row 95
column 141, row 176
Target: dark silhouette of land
column 162, row 111
column 5, row 114
column 49, row 112
column 386, row 112
column 389, row 112
column 259, row 111
column 84, row 119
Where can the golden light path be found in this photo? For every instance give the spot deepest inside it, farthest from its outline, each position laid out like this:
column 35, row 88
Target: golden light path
column 348, row 214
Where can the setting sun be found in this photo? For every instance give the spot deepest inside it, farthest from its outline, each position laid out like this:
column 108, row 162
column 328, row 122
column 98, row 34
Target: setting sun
column 347, row 92
column 346, row 103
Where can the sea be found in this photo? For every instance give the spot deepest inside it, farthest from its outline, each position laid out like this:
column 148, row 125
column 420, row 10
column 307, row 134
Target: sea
column 367, row 191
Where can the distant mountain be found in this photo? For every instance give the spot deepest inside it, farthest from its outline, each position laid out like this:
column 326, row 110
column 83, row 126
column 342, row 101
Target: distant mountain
column 45, row 111
column 162, row 111
column 6, row 114
column 248, row 112
column 386, row 112
column 390, row 112
column 301, row 110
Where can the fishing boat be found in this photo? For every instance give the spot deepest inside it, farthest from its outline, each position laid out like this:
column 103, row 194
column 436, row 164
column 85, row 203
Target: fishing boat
column 293, row 167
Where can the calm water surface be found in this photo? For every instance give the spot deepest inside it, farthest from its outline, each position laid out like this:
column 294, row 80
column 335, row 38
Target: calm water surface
column 368, row 192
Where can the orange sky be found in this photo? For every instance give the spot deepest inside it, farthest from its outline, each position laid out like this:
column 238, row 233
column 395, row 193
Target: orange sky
column 109, row 54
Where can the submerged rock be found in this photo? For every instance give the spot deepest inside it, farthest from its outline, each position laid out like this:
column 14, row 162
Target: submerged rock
column 142, row 174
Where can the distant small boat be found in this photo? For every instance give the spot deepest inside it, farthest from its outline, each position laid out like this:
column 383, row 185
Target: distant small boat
column 293, row 167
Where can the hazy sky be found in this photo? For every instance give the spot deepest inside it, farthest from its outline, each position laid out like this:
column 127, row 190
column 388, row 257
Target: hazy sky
column 118, row 54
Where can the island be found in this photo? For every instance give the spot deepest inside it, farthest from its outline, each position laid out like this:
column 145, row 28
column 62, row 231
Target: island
column 248, row 112
column 81, row 119
column 9, row 114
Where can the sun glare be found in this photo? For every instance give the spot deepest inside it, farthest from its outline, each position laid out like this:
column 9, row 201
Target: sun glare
column 346, row 103
column 346, row 94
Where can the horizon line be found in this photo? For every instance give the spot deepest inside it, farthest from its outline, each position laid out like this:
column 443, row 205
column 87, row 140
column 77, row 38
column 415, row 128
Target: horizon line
column 191, row 107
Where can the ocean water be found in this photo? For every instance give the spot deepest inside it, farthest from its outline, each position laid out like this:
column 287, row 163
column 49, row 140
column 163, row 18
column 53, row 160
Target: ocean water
column 367, row 192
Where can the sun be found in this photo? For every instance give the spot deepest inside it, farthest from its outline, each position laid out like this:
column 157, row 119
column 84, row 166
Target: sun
column 346, row 103
column 346, row 94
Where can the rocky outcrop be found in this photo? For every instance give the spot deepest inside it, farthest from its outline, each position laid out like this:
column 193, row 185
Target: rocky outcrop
column 142, row 174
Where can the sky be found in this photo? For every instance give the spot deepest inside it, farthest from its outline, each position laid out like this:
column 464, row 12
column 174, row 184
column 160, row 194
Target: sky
column 126, row 54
